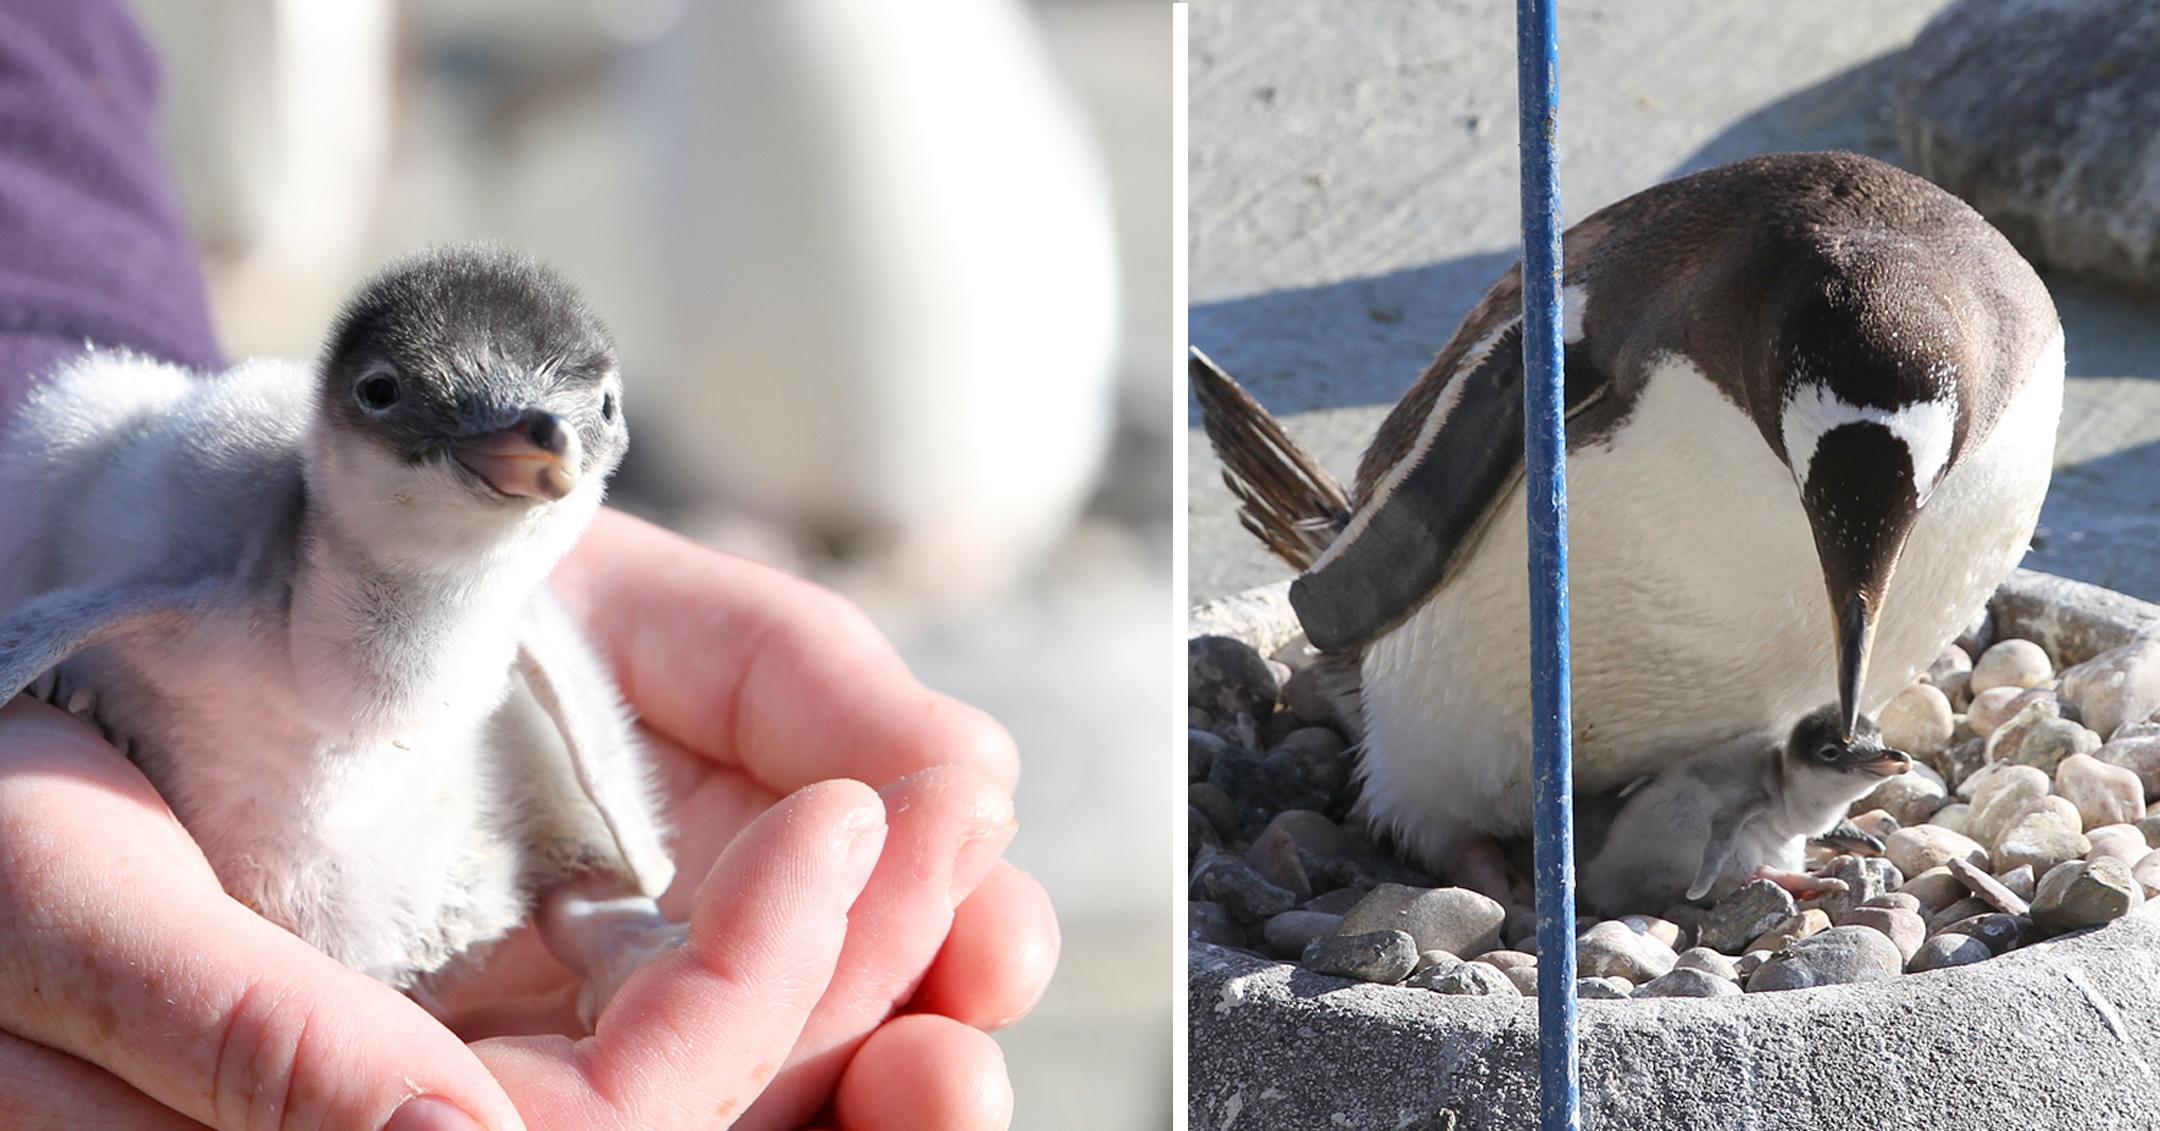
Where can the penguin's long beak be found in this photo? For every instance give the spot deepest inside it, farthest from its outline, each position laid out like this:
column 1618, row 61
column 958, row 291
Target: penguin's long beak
column 1861, row 505
column 1855, row 639
column 536, row 458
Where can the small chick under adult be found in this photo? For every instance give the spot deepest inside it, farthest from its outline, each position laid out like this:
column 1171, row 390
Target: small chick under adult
column 1739, row 811
column 311, row 603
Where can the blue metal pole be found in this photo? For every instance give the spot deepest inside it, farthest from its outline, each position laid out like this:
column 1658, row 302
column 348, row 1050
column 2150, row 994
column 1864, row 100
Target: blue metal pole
column 1537, row 58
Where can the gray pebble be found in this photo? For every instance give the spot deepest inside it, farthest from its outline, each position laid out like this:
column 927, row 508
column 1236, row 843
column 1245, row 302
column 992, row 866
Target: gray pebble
column 1524, row 979
column 1381, row 957
column 1751, row 909
column 1903, row 928
column 1917, row 848
column 1230, row 881
column 1935, row 888
column 1201, row 749
column 1435, row 960
column 1199, row 833
column 1225, row 677
column 2138, row 753
column 1603, row 989
column 1836, row 957
column 1963, row 909
column 1276, row 858
column 1687, row 982
column 2104, row 793
column 1289, row 933
column 2117, row 686
column 1948, row 949
column 1215, row 805
column 1506, row 959
column 2042, row 743
column 1337, row 902
column 1475, row 979
column 1613, row 949
column 2011, row 663
column 1206, row 921
column 2001, row 932
column 1709, row 962
column 2042, row 839
column 1864, row 878
column 1992, row 891
column 1899, row 899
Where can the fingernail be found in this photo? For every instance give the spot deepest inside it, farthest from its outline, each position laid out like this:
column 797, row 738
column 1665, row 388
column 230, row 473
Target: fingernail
column 976, row 856
column 426, row 1113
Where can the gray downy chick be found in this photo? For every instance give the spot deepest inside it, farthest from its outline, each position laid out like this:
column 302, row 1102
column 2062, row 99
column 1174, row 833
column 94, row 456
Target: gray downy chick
column 1739, row 811
column 311, row 603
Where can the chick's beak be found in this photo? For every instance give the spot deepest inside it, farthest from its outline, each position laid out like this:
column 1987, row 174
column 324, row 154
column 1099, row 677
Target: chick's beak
column 1891, row 764
column 536, row 458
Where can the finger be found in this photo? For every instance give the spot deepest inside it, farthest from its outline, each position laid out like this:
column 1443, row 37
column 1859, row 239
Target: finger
column 925, row 1071
column 949, row 826
column 802, row 686
column 52, row 1091
column 695, row 1035
column 118, row 946
column 998, row 959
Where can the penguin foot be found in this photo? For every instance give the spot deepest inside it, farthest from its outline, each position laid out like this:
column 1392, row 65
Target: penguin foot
column 622, row 955
column 1802, row 885
column 604, row 935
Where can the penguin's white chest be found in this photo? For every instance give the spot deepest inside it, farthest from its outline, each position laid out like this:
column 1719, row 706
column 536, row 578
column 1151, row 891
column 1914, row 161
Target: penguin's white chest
column 1698, row 609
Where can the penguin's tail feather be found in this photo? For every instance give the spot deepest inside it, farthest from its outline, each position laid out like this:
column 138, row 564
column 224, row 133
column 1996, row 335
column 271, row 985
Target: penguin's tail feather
column 1286, row 499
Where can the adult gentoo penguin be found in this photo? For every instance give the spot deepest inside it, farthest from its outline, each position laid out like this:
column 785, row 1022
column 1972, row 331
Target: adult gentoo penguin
column 1811, row 410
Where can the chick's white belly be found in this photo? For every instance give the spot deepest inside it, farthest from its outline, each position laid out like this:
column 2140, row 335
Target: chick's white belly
column 391, row 854
column 1698, row 611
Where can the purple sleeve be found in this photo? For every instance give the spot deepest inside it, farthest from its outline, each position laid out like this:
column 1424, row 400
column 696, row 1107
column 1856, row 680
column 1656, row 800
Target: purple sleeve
column 90, row 241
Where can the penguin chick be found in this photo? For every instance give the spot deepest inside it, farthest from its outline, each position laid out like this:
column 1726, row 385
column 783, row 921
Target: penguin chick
column 1740, row 811
column 311, row 603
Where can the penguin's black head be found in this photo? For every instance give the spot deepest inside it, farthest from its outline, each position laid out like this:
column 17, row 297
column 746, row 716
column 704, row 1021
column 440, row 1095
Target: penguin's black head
column 1819, row 743
column 481, row 365
column 1864, row 373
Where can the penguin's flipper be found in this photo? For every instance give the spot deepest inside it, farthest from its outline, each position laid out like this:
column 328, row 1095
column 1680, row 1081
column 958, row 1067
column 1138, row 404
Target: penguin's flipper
column 41, row 633
column 573, row 687
column 1285, row 498
column 1454, row 453
column 1724, row 830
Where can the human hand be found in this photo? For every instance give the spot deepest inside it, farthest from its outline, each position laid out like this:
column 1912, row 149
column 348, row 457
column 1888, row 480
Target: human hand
column 143, row 997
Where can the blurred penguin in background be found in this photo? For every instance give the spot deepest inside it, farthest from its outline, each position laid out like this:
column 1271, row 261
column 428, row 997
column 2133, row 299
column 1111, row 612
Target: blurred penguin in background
column 892, row 261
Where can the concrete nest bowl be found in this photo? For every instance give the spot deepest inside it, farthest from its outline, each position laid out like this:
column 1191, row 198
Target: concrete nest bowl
column 2064, row 1033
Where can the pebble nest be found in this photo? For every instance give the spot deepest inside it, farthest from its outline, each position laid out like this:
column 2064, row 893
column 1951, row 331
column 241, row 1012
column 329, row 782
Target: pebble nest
column 2023, row 819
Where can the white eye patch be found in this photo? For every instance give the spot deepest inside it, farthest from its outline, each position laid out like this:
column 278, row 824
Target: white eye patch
column 1924, row 427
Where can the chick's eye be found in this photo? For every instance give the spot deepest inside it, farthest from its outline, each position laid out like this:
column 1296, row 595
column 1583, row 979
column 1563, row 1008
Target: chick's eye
column 607, row 408
column 378, row 392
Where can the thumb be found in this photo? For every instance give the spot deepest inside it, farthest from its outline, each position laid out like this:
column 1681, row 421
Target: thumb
column 118, row 945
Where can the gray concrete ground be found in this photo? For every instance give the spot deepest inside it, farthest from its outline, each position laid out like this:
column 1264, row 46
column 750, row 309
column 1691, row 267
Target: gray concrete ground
column 1353, row 193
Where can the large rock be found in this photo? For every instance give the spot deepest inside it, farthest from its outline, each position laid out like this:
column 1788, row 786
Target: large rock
column 1457, row 920
column 1918, row 720
column 2039, row 113
column 2121, row 685
column 2104, row 793
column 1916, row 849
column 2080, row 894
column 1836, row 957
column 1614, row 949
